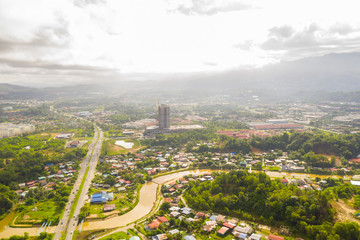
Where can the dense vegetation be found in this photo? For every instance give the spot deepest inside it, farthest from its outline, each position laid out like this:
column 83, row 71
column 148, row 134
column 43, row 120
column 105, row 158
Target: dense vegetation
column 7, row 198
column 195, row 136
column 344, row 145
column 19, row 165
column 28, row 166
column 11, row 147
column 255, row 197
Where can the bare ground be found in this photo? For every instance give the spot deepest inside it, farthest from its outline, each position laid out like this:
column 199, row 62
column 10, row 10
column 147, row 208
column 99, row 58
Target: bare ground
column 345, row 212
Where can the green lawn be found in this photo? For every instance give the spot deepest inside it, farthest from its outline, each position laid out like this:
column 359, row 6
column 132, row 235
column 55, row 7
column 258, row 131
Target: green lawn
column 214, row 235
column 45, row 210
column 273, row 168
column 115, row 236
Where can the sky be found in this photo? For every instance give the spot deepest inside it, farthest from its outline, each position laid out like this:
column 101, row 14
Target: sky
column 65, row 42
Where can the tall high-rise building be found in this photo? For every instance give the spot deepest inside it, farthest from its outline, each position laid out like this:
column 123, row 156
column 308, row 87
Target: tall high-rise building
column 164, row 116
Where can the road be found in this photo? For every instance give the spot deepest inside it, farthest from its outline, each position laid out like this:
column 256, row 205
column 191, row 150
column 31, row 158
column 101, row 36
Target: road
column 68, row 223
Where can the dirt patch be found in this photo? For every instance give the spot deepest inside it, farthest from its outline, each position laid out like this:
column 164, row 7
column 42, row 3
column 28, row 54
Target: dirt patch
column 256, row 150
column 337, row 158
column 111, row 213
column 345, row 212
column 92, row 216
column 115, row 148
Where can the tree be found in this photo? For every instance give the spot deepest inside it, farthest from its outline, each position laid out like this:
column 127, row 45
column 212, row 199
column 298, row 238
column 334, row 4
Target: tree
column 165, row 206
column 111, row 180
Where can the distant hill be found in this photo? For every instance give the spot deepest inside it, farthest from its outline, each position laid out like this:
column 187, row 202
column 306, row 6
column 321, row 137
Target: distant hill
column 318, row 78
column 9, row 91
column 330, row 73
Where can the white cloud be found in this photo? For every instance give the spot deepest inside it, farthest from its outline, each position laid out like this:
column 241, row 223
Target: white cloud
column 165, row 36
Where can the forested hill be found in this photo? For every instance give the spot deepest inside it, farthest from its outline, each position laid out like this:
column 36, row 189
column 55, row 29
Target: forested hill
column 300, row 143
column 9, row 91
column 257, row 198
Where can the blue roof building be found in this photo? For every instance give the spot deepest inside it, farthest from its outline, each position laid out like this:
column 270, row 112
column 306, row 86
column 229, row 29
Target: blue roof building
column 189, row 237
column 101, row 197
column 213, row 217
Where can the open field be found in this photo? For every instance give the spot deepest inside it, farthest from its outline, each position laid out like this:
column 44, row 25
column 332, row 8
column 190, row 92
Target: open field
column 345, row 212
column 39, row 212
column 113, row 149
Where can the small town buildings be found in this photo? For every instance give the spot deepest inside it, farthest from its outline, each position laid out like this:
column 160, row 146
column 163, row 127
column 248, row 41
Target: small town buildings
column 108, row 208
column 161, row 236
column 154, row 225
column 243, row 229
column 64, row 136
column 74, row 144
column 189, row 237
column 200, row 215
column 220, row 219
column 102, row 197
column 284, row 181
column 175, row 214
column 274, row 237
column 223, row 230
column 255, row 237
column 228, row 225
column 174, row 231
column 213, row 217
column 186, row 211
column 163, row 219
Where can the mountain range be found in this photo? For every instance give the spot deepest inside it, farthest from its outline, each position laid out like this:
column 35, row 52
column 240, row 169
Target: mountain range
column 306, row 78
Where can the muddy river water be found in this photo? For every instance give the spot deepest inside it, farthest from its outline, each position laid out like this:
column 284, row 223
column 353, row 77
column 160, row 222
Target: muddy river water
column 147, row 199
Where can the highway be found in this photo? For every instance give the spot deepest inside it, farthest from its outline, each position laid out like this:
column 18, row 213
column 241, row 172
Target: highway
column 68, row 223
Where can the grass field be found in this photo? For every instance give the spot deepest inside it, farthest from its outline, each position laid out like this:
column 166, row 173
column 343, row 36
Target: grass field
column 273, row 168
column 115, row 236
column 113, row 149
column 45, row 211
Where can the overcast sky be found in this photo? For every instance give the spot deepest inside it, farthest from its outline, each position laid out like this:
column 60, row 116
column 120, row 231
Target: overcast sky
column 62, row 42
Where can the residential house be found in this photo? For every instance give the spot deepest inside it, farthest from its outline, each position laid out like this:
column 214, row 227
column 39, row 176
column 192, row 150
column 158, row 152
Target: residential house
column 154, row 225
column 223, row 230
column 108, row 208
column 220, row 219
column 255, row 237
column 174, row 231
column 163, row 219
column 274, row 237
column 189, row 237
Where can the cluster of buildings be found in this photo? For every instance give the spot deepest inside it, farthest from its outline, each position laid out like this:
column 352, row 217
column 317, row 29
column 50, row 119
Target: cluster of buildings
column 348, row 118
column 247, row 134
column 12, row 130
column 304, row 184
column 275, row 124
column 140, row 124
column 164, row 123
column 62, row 175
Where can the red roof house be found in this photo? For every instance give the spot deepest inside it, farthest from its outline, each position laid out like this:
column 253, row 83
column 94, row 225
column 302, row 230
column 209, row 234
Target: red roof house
column 223, row 230
column 274, row 237
column 154, row 225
